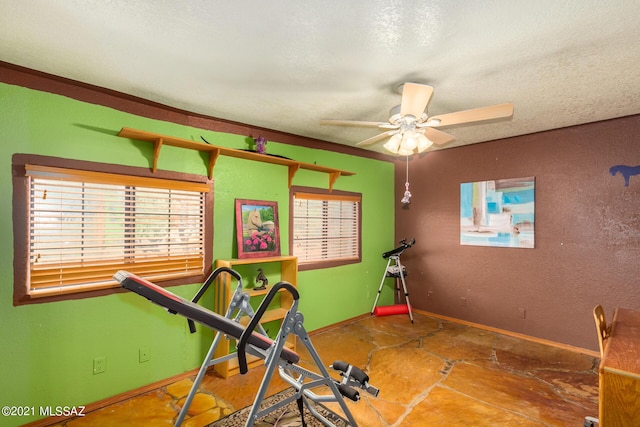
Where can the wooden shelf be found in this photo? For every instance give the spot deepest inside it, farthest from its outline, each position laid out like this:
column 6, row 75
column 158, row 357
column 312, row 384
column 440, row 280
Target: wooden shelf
column 224, row 292
column 269, row 316
column 262, row 260
column 257, row 292
column 214, row 151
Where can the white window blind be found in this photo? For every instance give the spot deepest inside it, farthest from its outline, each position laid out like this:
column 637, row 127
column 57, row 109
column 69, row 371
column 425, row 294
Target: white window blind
column 325, row 227
column 84, row 226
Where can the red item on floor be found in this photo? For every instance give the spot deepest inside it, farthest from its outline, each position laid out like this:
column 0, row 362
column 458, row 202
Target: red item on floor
column 389, row 310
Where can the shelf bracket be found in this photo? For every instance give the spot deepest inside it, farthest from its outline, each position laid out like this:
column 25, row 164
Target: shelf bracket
column 333, row 176
column 157, row 145
column 213, row 156
column 292, row 172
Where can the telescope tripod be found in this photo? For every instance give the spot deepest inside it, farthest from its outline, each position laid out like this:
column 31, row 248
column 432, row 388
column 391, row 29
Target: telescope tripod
column 395, row 270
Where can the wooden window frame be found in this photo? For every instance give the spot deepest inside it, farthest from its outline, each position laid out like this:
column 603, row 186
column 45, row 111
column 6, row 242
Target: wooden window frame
column 21, row 199
column 329, row 195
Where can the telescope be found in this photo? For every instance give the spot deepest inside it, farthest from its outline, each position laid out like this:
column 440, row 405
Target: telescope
column 403, row 246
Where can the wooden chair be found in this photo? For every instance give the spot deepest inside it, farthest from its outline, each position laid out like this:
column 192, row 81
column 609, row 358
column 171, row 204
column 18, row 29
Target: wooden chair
column 603, row 333
column 601, row 326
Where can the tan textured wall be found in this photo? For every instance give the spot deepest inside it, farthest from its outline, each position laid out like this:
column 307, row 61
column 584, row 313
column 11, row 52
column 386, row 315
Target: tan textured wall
column 587, row 232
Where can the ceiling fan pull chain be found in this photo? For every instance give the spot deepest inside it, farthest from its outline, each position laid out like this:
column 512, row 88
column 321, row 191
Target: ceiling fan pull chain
column 407, row 194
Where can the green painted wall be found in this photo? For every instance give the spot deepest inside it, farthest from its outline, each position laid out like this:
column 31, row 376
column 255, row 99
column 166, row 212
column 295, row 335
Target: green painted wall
column 47, row 350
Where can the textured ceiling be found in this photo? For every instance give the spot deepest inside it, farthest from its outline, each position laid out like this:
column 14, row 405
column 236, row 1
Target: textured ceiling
column 285, row 65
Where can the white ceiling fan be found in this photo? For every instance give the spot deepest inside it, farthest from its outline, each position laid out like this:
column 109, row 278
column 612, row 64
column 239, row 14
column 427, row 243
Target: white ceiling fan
column 410, row 128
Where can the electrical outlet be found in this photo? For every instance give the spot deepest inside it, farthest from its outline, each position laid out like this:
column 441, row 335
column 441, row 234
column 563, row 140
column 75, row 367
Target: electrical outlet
column 144, row 355
column 463, row 301
column 99, row 365
column 522, row 312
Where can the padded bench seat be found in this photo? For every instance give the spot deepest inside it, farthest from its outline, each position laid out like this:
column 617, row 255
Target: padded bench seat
column 190, row 310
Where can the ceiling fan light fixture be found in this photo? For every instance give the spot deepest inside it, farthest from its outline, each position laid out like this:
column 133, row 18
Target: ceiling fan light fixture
column 409, row 140
column 405, row 143
column 394, row 143
column 403, row 151
column 423, row 142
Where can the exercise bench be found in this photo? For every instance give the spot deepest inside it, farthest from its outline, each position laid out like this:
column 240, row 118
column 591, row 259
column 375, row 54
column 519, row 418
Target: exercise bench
column 272, row 351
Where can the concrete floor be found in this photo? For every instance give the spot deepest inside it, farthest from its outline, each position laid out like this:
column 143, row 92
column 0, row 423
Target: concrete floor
column 430, row 373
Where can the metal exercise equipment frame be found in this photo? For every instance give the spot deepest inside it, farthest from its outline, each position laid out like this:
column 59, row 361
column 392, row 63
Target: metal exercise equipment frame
column 273, row 352
column 238, row 308
column 397, row 271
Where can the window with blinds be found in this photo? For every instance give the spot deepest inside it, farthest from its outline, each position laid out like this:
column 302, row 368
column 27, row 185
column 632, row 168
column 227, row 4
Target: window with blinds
column 325, row 228
column 84, row 226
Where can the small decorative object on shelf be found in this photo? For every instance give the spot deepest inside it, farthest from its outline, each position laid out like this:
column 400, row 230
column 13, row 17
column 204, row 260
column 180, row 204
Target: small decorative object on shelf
column 260, row 144
column 262, row 279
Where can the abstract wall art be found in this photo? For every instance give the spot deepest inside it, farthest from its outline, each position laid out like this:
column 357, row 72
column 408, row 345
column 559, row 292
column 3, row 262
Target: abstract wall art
column 499, row 213
column 626, row 172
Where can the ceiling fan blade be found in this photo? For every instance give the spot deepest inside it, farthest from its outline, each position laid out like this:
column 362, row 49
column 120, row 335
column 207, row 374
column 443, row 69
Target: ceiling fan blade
column 352, row 123
column 437, row 136
column 376, row 138
column 415, row 98
column 475, row 115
